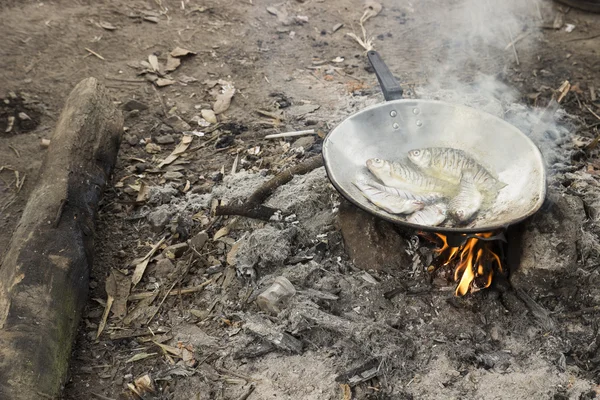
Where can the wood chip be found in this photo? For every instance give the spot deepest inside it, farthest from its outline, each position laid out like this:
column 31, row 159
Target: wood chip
column 151, row 19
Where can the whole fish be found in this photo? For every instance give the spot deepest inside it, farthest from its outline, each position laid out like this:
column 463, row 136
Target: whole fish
column 468, row 200
column 432, row 215
column 387, row 201
column 448, row 163
column 406, row 177
column 426, row 198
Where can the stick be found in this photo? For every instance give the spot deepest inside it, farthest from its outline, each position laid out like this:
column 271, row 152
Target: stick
column 592, row 111
column 253, row 207
column 248, row 393
column 95, row 54
column 512, row 42
column 290, row 134
column 44, row 274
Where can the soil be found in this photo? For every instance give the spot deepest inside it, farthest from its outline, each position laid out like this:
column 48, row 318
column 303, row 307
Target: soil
column 338, row 336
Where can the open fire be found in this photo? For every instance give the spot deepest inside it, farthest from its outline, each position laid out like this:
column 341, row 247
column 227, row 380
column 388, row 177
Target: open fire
column 474, row 261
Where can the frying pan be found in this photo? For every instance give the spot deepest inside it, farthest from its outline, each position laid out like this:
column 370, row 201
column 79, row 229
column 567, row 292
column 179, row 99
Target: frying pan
column 390, row 129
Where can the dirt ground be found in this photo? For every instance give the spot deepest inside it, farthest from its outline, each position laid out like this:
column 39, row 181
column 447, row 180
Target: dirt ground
column 339, row 337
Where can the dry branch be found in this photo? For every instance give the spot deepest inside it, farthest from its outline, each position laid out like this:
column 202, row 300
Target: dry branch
column 253, row 207
column 44, row 275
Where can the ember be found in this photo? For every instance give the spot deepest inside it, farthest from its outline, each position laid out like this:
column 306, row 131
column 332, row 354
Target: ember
column 474, row 262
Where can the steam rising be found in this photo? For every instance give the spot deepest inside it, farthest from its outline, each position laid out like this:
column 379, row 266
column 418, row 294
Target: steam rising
column 472, row 57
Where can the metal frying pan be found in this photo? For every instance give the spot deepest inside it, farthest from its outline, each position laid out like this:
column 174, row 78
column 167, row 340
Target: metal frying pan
column 389, row 130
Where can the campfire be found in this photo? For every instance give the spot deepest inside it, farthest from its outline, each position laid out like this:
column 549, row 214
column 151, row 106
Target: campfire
column 474, row 261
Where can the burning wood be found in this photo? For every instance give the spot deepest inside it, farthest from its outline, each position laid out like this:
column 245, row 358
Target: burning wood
column 474, row 262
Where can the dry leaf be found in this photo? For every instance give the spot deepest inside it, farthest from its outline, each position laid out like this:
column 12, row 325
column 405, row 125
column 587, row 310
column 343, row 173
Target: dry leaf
column 151, row 19
column 232, row 255
column 160, row 82
column 111, row 292
column 224, row 98
column 140, row 356
column 222, row 232
column 183, row 145
column 143, row 193
column 142, row 311
column 107, row 25
column 123, row 286
column 140, row 265
column 179, row 52
column 172, row 64
column 169, row 349
column 346, row 391
column 144, row 384
column 153, row 60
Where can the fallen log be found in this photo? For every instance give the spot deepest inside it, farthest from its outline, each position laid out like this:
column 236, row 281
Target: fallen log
column 44, row 275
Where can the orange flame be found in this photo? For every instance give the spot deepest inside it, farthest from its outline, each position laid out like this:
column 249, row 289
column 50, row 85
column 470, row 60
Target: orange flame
column 474, row 263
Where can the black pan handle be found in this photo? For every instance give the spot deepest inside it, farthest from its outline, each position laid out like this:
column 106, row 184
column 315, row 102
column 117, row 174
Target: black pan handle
column 389, row 85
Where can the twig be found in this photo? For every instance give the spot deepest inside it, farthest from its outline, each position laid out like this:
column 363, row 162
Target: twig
column 253, row 207
column 162, row 301
column 176, row 292
column 592, row 111
column 517, row 39
column 512, row 42
column 13, row 148
column 110, row 78
column 248, row 393
column 290, row 134
column 99, row 396
column 583, row 38
column 95, row 54
column 203, row 144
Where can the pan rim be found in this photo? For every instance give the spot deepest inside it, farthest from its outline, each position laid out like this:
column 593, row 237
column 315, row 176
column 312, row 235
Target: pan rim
column 451, row 230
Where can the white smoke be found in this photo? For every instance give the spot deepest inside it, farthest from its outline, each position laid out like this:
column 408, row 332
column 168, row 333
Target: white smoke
column 472, row 61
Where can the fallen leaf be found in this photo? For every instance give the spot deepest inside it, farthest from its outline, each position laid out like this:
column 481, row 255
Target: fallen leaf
column 143, row 193
column 153, row 61
column 179, row 150
column 224, row 98
column 151, row 19
column 107, row 25
column 209, row 116
column 169, row 349
column 172, row 64
column 161, row 82
column 140, row 265
column 232, row 255
column 140, row 356
column 144, row 384
column 346, row 391
column 188, row 357
column 179, row 52
column 123, row 286
column 142, row 311
column 111, row 292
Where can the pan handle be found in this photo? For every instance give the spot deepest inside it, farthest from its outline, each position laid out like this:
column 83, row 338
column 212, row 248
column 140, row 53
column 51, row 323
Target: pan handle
column 389, row 85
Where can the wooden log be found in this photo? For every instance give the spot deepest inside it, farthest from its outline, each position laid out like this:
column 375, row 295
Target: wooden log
column 44, row 275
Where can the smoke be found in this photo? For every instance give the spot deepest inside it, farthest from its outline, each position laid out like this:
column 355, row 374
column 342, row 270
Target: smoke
column 473, row 62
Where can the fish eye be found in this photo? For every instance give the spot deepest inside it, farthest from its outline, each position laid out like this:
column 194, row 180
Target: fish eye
column 415, row 152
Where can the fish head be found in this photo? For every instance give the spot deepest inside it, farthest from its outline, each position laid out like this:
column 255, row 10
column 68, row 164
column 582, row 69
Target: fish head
column 420, row 157
column 380, row 168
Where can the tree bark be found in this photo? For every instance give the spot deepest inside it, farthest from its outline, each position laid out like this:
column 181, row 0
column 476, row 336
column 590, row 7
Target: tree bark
column 44, row 275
